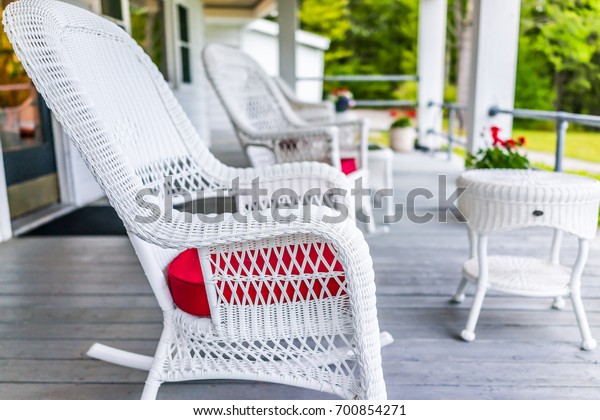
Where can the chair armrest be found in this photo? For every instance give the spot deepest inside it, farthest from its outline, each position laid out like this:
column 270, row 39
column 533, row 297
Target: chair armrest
column 349, row 131
column 287, row 174
column 326, row 106
column 315, row 113
column 312, row 182
column 305, row 143
column 303, row 178
column 328, row 130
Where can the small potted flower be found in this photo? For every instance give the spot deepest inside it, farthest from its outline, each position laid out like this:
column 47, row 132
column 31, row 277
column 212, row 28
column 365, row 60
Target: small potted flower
column 402, row 135
column 342, row 98
column 504, row 154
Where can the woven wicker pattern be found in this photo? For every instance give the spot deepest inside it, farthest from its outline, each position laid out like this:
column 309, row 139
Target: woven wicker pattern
column 132, row 133
column 564, row 201
column 267, row 126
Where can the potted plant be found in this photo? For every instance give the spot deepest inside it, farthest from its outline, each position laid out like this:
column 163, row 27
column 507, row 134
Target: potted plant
column 503, row 154
column 342, row 98
column 402, row 135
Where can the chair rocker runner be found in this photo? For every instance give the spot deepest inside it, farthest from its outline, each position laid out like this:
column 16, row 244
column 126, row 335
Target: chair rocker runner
column 271, row 132
column 290, row 303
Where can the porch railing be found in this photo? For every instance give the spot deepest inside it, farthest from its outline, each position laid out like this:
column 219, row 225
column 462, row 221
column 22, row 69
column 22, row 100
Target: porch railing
column 371, row 79
column 562, row 124
column 458, row 110
column 454, row 110
column 562, row 120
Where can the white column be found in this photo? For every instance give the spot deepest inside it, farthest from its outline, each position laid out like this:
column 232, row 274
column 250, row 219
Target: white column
column 494, row 68
column 5, row 227
column 431, row 67
column 288, row 24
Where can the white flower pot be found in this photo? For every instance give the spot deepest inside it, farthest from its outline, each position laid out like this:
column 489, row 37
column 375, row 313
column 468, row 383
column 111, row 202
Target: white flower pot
column 403, row 139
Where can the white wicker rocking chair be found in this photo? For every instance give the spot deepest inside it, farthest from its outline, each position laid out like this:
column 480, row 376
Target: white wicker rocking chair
column 132, row 133
column 271, row 132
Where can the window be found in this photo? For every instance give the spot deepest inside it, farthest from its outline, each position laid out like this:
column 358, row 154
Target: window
column 148, row 30
column 184, row 44
column 113, row 10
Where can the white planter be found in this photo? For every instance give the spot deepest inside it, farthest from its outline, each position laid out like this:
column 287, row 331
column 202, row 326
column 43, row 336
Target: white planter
column 403, row 139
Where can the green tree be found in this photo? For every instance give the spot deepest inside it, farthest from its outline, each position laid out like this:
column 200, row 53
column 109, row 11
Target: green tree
column 559, row 56
column 368, row 37
column 559, row 48
column 331, row 19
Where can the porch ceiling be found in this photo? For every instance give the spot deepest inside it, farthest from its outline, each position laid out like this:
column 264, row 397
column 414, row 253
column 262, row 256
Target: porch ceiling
column 250, row 9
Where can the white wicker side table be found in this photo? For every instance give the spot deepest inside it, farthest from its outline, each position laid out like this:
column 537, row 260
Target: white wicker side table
column 499, row 200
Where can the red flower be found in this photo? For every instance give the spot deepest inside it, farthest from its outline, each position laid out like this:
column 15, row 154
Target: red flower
column 411, row 113
column 497, row 140
column 394, row 113
column 521, row 140
column 510, row 144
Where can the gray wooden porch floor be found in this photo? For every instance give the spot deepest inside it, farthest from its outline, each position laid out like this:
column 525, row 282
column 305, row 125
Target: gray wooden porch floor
column 59, row 295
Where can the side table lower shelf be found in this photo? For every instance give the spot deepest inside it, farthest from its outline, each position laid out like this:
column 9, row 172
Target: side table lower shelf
column 522, row 276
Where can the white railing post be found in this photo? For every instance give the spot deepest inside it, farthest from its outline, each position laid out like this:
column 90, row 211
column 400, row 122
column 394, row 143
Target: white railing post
column 431, row 65
column 5, row 226
column 288, row 24
column 451, row 118
column 561, row 136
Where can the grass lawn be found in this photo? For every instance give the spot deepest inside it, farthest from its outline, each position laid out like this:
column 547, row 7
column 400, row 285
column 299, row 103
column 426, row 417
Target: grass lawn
column 381, row 138
column 578, row 145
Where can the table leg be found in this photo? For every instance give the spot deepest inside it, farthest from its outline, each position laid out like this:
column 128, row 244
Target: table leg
column 588, row 342
column 468, row 334
column 459, row 295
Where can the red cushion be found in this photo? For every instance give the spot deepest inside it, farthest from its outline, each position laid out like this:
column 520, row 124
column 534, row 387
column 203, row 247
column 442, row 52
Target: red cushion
column 189, row 293
column 348, row 165
column 187, row 284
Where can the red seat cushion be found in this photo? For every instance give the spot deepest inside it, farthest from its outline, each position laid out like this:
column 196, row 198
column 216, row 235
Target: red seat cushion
column 189, row 292
column 348, row 165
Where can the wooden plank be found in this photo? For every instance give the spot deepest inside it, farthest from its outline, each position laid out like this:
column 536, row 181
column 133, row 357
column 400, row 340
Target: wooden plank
column 83, row 301
column 68, row 349
column 207, row 390
column 50, row 331
column 37, row 315
column 490, row 391
column 398, row 373
column 258, row 391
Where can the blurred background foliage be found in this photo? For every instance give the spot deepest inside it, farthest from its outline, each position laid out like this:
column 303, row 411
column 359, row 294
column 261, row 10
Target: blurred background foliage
column 559, row 49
